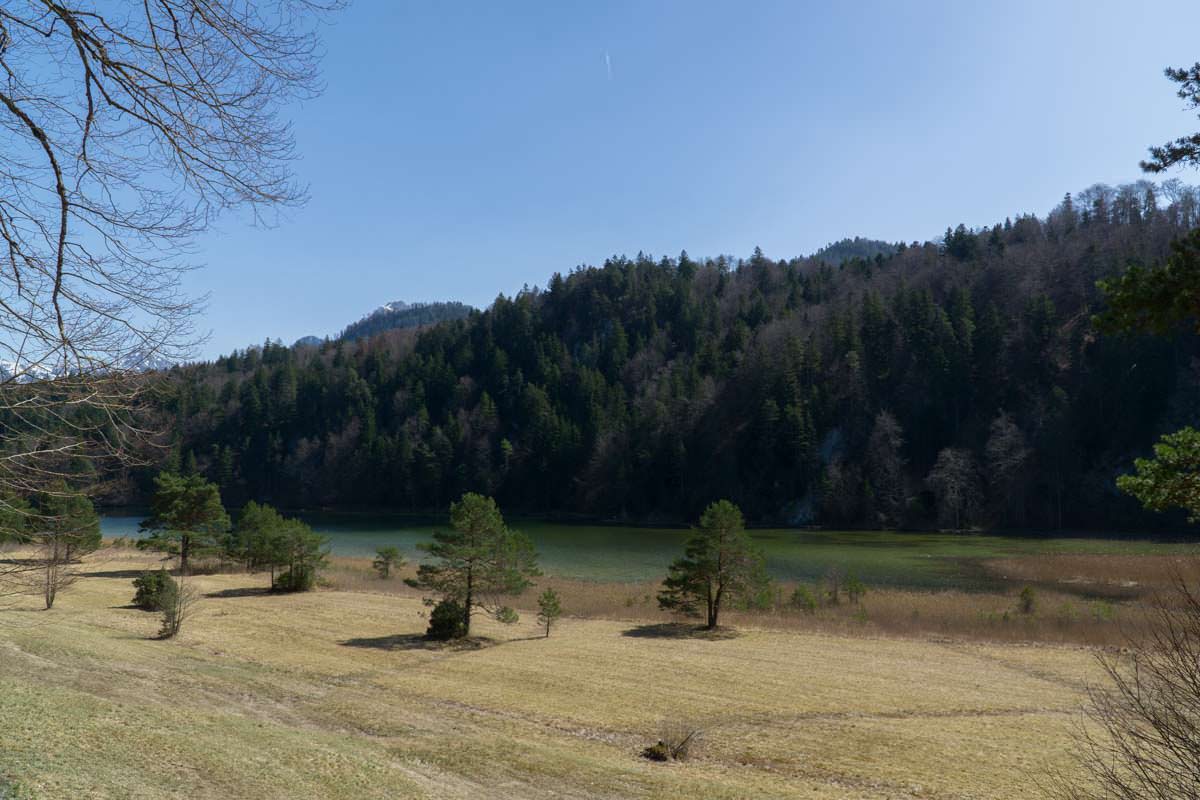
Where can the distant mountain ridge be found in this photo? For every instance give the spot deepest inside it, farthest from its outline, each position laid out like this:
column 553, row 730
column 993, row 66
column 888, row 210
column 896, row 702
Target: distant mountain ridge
column 399, row 314
column 859, row 247
column 395, row 315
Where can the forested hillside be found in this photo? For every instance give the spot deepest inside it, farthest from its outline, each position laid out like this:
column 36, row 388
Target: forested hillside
column 858, row 247
column 398, row 315
column 951, row 383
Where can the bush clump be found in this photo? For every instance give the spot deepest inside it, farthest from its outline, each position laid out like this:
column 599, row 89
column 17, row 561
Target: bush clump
column 674, row 744
column 804, row 599
column 300, row 579
column 1027, row 602
column 657, row 752
column 153, row 590
column 446, row 622
column 855, row 589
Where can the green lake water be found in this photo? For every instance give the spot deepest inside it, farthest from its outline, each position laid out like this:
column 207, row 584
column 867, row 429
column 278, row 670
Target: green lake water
column 621, row 553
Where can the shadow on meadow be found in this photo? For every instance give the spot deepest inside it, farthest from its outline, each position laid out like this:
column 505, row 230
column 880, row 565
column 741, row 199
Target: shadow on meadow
column 678, row 630
column 417, row 641
column 241, row 591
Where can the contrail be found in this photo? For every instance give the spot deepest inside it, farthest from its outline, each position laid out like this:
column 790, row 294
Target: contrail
column 608, row 64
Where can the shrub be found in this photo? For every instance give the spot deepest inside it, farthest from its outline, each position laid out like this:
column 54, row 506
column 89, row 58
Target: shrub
column 1141, row 737
column 855, row 589
column 1103, row 611
column 675, row 743
column 1027, row 602
column 152, row 589
column 446, row 622
column 387, row 559
column 507, row 614
column 804, row 599
column 760, row 597
column 300, row 579
column 176, row 602
column 833, row 586
column 657, row 752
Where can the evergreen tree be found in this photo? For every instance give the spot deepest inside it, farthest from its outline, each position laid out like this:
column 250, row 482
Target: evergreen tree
column 719, row 563
column 1186, row 149
column 386, row 559
column 257, row 538
column 15, row 517
column 1169, row 480
column 302, row 554
column 479, row 561
column 187, row 518
column 549, row 609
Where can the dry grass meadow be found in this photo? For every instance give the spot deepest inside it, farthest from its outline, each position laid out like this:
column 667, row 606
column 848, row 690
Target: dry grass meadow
column 333, row 694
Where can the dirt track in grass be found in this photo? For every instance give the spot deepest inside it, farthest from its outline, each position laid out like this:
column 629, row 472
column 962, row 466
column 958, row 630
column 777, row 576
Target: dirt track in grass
column 333, row 694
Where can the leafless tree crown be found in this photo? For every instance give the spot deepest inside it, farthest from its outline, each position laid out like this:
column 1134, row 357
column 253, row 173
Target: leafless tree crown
column 125, row 128
column 1142, row 740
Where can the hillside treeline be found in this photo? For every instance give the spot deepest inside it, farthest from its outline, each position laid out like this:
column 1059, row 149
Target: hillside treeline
column 953, row 383
column 404, row 315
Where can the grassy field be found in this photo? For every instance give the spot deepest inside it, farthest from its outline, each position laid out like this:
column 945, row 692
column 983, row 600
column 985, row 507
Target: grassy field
column 333, row 694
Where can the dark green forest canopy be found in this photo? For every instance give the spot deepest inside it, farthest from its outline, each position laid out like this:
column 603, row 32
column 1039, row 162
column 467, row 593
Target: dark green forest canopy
column 644, row 388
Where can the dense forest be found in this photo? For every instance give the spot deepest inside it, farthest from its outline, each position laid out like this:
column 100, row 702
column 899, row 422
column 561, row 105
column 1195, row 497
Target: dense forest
column 953, row 383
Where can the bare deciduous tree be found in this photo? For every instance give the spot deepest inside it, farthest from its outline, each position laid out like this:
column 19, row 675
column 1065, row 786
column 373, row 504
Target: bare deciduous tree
column 124, row 130
column 177, row 602
column 1144, row 737
column 64, row 530
column 885, row 469
column 954, row 480
column 1007, row 454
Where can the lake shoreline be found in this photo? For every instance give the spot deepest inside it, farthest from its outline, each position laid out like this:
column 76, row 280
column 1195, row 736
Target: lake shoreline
column 625, row 554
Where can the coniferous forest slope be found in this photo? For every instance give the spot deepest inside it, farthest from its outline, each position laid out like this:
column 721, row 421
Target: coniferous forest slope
column 953, row 384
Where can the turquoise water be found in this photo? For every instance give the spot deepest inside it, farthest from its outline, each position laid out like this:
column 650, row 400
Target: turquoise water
column 620, row 553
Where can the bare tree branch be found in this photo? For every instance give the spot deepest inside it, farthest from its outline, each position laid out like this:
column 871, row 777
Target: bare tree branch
column 125, row 130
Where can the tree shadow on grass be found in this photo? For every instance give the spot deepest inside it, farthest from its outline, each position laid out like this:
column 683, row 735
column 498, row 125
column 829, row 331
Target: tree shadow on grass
column 129, row 574
column 241, row 591
column 417, row 641
column 679, row 630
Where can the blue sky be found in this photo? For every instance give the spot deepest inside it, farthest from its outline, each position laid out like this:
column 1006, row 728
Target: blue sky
column 464, row 150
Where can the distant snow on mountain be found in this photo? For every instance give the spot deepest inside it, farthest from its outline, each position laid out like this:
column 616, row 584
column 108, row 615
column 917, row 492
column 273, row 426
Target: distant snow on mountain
column 400, row 314
column 24, row 371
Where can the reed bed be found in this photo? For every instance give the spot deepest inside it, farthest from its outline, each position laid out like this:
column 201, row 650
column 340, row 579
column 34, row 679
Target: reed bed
column 1059, row 616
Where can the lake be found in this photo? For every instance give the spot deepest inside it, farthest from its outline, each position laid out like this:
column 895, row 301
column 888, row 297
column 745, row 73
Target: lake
column 621, row 553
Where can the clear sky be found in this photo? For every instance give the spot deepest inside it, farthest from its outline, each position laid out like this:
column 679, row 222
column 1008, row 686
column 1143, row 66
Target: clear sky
column 464, row 150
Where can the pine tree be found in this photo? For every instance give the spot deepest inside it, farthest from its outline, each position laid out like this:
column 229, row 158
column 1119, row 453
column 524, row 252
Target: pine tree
column 719, row 563
column 187, row 518
column 549, row 609
column 479, row 561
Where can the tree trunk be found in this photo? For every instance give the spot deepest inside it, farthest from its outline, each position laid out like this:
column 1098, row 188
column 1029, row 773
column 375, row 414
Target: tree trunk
column 185, row 546
column 50, row 587
column 713, row 603
column 467, row 604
